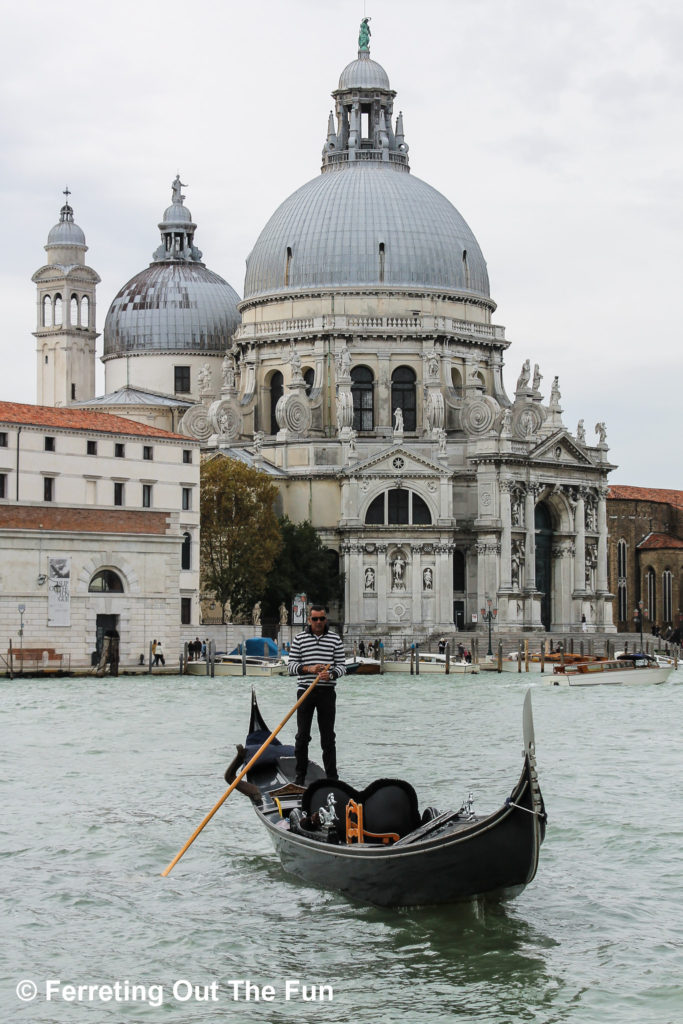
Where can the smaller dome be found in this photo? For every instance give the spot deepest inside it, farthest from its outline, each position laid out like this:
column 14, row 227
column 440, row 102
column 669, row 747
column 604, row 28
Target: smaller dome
column 364, row 74
column 66, row 232
column 177, row 214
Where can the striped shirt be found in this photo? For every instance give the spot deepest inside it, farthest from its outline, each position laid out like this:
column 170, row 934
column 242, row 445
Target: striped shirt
column 308, row 649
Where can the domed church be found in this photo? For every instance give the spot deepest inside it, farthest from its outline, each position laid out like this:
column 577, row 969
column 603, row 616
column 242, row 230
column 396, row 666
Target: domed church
column 363, row 370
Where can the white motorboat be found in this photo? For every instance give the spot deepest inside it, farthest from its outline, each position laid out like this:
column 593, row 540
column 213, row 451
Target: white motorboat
column 628, row 670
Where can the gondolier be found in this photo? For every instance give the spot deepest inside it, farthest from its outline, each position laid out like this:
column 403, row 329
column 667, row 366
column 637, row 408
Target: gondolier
column 311, row 650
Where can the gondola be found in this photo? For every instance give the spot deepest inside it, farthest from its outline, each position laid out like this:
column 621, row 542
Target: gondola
column 374, row 846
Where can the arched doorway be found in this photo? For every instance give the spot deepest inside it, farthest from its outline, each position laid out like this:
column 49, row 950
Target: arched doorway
column 544, row 546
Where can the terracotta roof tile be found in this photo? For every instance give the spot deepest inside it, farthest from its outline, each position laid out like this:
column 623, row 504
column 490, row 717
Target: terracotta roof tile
column 666, row 497
column 78, row 419
column 659, row 541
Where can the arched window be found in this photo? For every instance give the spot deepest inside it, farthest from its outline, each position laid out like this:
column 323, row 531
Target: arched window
column 622, row 582
column 58, row 311
column 621, row 560
column 85, row 311
column 309, row 378
column 73, row 311
column 288, row 263
column 651, row 594
column 398, row 507
column 106, row 581
column 667, row 597
column 362, row 390
column 403, row 396
column 622, row 597
column 186, row 552
column 458, row 572
column 276, row 392
column 47, row 311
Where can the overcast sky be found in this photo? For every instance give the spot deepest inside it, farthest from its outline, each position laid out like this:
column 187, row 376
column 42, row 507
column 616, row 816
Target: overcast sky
column 554, row 126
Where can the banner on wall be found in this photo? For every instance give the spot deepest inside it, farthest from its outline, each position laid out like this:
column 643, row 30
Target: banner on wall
column 59, row 591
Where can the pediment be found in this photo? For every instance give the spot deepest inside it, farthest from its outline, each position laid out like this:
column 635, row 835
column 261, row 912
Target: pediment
column 562, row 450
column 396, row 459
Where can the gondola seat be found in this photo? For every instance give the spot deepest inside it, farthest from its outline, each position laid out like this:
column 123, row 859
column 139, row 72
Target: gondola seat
column 390, row 806
column 317, row 793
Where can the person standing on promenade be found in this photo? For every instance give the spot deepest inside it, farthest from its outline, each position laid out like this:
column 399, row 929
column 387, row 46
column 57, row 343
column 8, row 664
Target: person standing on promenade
column 311, row 650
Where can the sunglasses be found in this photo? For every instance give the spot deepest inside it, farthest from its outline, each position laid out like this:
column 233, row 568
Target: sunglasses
column 318, row 618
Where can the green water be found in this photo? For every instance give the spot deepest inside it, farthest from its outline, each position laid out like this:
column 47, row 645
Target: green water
column 103, row 781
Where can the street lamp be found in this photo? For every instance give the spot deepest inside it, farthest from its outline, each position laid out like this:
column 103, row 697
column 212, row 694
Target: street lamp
column 488, row 615
column 22, row 609
column 638, row 615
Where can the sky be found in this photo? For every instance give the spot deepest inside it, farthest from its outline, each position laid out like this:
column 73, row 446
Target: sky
column 554, row 127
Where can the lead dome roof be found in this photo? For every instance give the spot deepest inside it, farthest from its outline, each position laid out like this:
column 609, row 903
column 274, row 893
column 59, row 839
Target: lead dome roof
column 176, row 304
column 366, row 221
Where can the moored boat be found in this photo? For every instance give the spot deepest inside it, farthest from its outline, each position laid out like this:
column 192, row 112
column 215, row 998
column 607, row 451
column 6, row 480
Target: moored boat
column 627, row 670
column 376, row 847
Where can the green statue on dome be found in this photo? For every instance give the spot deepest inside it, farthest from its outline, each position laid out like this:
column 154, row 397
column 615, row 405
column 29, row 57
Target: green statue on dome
column 364, row 35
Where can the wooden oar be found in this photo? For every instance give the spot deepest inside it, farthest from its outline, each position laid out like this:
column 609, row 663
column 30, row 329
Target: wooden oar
column 241, row 775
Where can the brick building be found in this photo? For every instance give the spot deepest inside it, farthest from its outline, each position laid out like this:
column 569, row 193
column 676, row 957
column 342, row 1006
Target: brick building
column 646, row 555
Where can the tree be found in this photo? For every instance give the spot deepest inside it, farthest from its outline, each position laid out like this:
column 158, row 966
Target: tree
column 240, row 535
column 303, row 566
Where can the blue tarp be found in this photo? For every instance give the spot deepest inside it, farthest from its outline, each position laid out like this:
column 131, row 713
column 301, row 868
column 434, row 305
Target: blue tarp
column 259, row 647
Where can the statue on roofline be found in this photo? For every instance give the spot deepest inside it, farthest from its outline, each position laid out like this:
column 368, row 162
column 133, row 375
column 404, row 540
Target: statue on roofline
column 364, row 35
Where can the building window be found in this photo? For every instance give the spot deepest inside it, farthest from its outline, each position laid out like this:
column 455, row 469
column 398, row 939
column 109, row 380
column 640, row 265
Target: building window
column 49, row 444
column 47, row 311
column 651, row 594
column 458, row 572
column 147, row 452
column 85, row 311
column 48, row 488
column 73, row 392
column 621, row 560
column 276, row 391
column 118, row 492
column 3, row 439
column 309, row 377
column 146, row 495
column 362, row 390
column 58, row 311
column 622, row 599
column 119, row 451
column 456, row 382
column 403, row 396
column 3, row 485
column 187, row 499
column 398, row 507
column 73, row 311
column 185, row 611
column 106, row 581
column 187, row 456
column 667, row 597
column 92, row 447
column 182, row 379
column 622, row 588
column 186, row 552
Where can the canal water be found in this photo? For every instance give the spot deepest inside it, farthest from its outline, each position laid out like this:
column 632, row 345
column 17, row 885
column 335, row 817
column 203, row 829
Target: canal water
column 102, row 781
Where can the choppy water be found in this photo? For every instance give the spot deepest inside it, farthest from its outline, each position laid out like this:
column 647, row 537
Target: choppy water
column 102, row 782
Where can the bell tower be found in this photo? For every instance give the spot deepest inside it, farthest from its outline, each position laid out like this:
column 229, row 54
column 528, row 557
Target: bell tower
column 65, row 331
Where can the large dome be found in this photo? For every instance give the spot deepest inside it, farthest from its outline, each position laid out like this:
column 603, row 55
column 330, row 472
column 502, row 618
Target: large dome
column 332, row 231
column 172, row 307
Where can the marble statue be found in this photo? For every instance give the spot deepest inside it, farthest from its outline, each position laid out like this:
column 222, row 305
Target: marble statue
column 397, row 573
column 538, row 377
column 344, row 362
column 506, row 423
column 256, row 614
column 295, row 363
column 601, row 431
column 555, row 394
column 398, row 420
column 283, row 614
column 228, row 370
column 176, row 186
column 369, row 578
column 581, row 433
column 204, row 379
column 427, row 579
column 523, row 379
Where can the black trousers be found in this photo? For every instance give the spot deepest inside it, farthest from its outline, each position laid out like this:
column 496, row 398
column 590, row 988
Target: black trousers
column 322, row 700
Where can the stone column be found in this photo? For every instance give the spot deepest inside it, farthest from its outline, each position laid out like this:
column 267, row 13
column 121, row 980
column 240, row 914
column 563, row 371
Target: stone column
column 346, row 556
column 601, row 575
column 443, row 583
column 530, row 524
column 505, row 536
column 580, row 541
column 416, row 554
column 382, row 583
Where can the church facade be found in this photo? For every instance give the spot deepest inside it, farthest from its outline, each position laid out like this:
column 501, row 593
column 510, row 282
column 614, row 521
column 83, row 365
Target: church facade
column 363, row 369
